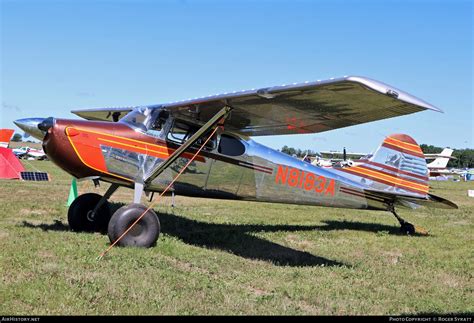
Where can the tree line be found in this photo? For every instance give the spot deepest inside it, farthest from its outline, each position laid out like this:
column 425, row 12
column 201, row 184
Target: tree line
column 296, row 151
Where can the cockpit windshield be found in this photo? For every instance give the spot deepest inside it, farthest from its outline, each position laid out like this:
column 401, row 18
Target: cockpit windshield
column 146, row 119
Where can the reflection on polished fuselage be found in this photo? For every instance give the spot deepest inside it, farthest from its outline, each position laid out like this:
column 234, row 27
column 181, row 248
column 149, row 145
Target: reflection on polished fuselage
column 232, row 166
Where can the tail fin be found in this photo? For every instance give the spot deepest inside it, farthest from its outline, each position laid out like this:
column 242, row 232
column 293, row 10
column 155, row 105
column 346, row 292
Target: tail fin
column 397, row 173
column 398, row 166
column 5, row 136
column 442, row 160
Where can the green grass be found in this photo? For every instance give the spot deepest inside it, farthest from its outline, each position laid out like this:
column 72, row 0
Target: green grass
column 231, row 257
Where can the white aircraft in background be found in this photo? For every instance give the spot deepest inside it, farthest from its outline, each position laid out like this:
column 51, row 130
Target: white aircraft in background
column 345, row 161
column 320, row 161
column 438, row 166
column 27, row 152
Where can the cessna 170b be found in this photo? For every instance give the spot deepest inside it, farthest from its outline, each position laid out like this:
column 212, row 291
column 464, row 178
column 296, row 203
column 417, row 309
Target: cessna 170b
column 143, row 148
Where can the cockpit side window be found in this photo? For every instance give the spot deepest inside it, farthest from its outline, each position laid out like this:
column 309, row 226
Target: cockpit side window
column 182, row 131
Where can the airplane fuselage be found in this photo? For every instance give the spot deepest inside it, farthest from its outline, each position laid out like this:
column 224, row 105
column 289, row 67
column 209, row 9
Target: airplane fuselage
column 243, row 169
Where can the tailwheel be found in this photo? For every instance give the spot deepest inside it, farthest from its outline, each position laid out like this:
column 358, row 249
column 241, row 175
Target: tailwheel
column 143, row 234
column 407, row 227
column 411, row 229
column 82, row 218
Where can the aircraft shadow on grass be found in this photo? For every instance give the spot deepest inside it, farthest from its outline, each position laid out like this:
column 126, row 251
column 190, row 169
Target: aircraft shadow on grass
column 239, row 240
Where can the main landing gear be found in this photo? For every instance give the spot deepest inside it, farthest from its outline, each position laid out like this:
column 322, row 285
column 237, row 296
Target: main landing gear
column 90, row 212
column 407, row 227
column 143, row 234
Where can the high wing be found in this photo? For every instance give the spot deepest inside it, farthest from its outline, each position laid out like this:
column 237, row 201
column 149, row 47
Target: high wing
column 299, row 108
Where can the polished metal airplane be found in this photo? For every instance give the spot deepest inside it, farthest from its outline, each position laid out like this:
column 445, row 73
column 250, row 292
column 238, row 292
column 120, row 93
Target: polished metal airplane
column 145, row 147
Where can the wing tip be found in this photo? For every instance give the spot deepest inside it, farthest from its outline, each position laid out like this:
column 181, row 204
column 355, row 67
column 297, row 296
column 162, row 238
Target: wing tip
column 392, row 91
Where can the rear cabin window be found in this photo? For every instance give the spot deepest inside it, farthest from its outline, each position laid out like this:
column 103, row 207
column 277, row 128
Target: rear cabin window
column 230, row 146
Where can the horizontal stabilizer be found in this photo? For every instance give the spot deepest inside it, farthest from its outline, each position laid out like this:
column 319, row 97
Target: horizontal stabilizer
column 431, row 201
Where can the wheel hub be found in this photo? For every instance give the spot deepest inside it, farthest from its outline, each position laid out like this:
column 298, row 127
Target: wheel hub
column 136, row 230
column 90, row 216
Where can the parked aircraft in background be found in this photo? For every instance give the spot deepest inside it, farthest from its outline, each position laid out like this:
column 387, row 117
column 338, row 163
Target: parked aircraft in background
column 438, row 166
column 345, row 159
column 141, row 148
column 27, row 152
column 330, row 160
column 320, row 161
column 317, row 160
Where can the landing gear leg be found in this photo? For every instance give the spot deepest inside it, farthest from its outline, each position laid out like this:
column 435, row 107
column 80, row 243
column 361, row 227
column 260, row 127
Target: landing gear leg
column 111, row 190
column 407, row 227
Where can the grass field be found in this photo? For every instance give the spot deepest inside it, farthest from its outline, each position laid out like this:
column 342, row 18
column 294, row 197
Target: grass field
column 228, row 257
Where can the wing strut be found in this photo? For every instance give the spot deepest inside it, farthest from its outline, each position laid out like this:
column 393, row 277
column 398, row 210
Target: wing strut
column 221, row 115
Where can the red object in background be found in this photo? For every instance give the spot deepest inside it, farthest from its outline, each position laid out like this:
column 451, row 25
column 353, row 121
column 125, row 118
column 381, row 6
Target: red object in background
column 10, row 166
column 5, row 136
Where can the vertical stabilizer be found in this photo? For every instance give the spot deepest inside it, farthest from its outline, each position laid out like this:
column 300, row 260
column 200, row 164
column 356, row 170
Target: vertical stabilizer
column 398, row 166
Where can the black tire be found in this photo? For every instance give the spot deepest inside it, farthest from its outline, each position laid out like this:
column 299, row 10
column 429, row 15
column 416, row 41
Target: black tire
column 144, row 234
column 408, row 228
column 79, row 210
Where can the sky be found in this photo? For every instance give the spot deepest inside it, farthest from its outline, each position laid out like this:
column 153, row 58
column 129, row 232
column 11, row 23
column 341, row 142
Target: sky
column 57, row 56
